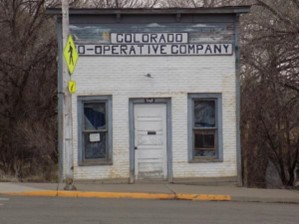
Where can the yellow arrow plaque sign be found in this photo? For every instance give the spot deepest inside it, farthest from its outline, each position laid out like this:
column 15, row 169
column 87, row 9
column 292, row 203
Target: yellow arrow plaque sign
column 70, row 54
column 72, row 86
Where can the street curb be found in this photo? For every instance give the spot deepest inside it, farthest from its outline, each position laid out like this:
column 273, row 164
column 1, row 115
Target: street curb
column 203, row 197
column 134, row 195
column 266, row 200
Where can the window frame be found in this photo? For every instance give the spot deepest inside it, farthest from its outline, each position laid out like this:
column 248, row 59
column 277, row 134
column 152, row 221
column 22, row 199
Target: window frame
column 82, row 100
column 217, row 98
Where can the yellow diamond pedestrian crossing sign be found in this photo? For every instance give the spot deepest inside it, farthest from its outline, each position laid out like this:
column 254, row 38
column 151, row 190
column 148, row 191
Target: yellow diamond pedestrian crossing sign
column 70, row 54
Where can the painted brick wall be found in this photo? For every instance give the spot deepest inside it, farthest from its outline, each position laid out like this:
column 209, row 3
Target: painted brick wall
column 173, row 77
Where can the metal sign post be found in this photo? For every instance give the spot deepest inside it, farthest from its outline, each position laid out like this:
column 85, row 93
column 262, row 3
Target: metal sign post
column 67, row 107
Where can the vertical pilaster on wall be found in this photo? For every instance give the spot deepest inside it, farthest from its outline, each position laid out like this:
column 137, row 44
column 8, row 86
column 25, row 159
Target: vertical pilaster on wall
column 67, row 106
column 238, row 100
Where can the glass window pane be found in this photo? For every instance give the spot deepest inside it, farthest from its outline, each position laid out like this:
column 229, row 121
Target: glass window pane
column 204, row 113
column 95, row 149
column 205, row 143
column 204, row 153
column 94, row 116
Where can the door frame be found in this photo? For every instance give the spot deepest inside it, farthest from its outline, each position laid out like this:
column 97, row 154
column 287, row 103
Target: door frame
column 132, row 103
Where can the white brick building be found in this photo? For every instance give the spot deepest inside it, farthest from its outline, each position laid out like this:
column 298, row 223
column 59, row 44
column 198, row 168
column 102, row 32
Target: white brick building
column 157, row 94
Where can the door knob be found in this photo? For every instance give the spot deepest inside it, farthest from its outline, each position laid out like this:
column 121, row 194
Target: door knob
column 135, row 148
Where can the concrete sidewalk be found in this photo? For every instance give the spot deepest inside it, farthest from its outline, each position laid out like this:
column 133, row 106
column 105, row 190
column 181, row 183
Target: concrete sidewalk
column 153, row 191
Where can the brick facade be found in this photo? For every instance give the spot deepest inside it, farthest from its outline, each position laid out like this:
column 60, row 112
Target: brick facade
column 172, row 77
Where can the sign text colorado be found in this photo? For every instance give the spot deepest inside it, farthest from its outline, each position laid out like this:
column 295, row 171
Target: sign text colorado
column 151, row 44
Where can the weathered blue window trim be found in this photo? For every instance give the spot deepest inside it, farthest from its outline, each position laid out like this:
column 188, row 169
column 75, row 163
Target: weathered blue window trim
column 217, row 97
column 108, row 105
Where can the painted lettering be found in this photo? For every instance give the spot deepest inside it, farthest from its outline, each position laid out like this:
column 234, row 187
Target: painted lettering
column 81, row 49
column 155, row 49
column 170, row 38
column 149, row 38
column 191, row 49
column 183, row 49
column 199, row 48
column 132, row 51
column 162, row 39
column 179, row 38
column 154, row 38
column 98, row 49
column 128, row 38
column 114, row 50
column 208, row 48
column 140, row 49
column 163, row 49
column 174, row 49
column 226, row 46
column 119, row 38
column 123, row 49
column 106, row 49
column 145, row 38
column 217, row 49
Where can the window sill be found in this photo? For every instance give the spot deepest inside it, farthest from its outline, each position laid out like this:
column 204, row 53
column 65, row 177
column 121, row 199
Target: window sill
column 205, row 160
column 95, row 163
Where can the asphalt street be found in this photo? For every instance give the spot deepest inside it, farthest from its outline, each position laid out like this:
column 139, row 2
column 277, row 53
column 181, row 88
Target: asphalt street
column 41, row 210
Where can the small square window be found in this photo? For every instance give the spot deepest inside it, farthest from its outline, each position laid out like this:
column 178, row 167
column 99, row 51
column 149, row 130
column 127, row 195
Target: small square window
column 95, row 130
column 205, row 121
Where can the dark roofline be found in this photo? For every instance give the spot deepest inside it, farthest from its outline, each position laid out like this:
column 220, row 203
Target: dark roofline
column 146, row 11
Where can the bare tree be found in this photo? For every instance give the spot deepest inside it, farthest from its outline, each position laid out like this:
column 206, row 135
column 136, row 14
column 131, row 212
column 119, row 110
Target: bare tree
column 28, row 89
column 122, row 4
column 270, row 97
column 199, row 3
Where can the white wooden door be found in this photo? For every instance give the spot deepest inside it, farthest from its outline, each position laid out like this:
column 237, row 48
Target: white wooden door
column 150, row 141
